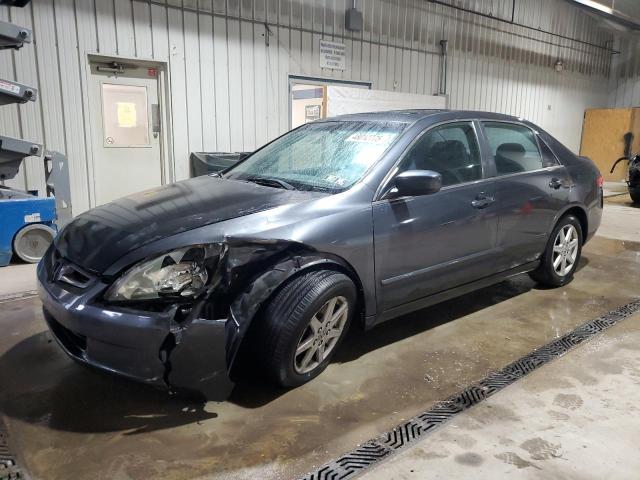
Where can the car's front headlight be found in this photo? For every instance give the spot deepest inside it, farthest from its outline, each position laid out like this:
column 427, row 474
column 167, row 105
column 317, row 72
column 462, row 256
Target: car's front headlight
column 179, row 274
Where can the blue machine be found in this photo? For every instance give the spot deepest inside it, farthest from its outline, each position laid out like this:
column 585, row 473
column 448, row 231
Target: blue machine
column 26, row 221
column 26, row 225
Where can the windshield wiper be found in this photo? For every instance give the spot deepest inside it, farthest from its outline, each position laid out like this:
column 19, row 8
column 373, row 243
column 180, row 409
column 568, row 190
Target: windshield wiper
column 271, row 182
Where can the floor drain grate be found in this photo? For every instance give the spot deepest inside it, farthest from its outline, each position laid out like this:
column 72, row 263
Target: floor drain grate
column 9, row 469
column 375, row 450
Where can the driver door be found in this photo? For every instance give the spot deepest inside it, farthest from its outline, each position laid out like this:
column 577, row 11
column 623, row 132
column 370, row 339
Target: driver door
column 429, row 244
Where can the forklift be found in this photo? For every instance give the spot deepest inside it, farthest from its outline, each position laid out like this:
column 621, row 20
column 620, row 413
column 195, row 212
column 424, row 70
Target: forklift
column 28, row 222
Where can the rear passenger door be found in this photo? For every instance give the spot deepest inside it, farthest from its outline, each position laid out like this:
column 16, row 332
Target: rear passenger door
column 531, row 187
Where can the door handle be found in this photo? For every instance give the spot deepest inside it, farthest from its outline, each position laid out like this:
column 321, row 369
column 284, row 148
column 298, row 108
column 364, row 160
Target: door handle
column 155, row 119
column 482, row 201
column 555, row 183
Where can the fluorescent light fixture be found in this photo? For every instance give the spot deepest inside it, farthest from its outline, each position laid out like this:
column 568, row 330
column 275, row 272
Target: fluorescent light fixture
column 595, row 6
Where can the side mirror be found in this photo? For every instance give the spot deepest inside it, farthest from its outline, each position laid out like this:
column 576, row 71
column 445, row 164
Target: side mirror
column 413, row 183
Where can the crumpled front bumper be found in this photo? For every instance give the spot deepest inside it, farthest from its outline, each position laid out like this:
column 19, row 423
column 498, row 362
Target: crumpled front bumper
column 151, row 347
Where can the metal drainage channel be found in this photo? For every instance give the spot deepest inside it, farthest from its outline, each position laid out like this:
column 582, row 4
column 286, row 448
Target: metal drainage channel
column 375, row 450
column 9, row 469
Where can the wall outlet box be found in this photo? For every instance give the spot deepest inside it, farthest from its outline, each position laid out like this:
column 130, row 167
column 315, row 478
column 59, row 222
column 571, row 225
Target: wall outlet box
column 354, row 20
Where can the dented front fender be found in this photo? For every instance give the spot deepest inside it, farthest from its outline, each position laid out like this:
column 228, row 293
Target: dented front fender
column 204, row 341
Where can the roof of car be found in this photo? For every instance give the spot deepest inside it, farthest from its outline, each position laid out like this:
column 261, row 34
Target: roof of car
column 411, row 116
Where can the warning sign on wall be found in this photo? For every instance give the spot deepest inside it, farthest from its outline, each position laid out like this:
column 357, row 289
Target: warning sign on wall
column 332, row 55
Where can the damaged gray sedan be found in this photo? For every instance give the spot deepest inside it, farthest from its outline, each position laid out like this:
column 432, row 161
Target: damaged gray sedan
column 359, row 218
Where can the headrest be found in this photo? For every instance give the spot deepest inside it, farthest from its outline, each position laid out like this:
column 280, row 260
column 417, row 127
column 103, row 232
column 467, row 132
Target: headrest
column 455, row 148
column 511, row 150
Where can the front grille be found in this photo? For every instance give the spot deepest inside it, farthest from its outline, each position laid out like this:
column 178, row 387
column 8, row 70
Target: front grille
column 72, row 276
column 63, row 271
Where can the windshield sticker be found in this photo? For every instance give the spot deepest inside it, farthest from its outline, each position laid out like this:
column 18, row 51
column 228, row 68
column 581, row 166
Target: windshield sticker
column 336, row 180
column 372, row 138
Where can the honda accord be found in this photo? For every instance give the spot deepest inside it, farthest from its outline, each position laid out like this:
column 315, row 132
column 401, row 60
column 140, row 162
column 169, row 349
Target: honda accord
column 359, row 218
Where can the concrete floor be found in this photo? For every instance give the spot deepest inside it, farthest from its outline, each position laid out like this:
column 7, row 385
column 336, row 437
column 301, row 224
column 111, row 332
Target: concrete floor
column 68, row 422
column 577, row 417
column 17, row 278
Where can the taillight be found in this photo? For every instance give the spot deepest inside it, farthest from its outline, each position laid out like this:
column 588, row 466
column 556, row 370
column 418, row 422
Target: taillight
column 600, row 184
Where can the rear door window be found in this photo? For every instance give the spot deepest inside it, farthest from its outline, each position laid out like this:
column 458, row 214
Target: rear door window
column 514, row 148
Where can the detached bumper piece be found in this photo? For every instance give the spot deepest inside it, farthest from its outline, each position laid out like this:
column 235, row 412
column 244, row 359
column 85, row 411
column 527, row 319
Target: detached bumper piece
column 149, row 347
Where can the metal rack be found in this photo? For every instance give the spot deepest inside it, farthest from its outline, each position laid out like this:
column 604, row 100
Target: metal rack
column 13, row 150
column 13, row 36
column 14, row 92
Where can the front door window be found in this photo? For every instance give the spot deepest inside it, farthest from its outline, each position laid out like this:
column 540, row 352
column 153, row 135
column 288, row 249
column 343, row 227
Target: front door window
column 451, row 150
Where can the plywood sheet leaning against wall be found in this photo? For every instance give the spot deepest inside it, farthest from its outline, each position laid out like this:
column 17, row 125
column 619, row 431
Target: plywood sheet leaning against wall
column 603, row 138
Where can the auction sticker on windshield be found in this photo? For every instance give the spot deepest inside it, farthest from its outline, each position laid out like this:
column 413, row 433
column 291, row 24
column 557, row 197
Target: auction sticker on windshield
column 372, row 138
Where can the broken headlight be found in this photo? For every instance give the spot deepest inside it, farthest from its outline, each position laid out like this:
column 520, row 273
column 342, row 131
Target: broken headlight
column 179, row 274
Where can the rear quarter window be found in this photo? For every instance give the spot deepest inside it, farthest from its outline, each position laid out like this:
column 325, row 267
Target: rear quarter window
column 549, row 158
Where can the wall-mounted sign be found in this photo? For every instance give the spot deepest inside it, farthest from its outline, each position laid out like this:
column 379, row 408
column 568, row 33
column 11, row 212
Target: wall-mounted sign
column 332, row 55
column 311, row 113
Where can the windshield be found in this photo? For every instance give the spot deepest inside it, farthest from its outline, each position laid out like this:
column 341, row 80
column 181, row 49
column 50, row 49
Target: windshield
column 326, row 156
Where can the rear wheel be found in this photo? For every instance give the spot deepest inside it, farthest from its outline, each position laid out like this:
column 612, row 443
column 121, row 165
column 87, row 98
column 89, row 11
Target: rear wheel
column 560, row 259
column 303, row 325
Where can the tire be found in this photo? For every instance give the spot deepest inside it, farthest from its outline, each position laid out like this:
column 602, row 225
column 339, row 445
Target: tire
column 32, row 241
column 635, row 195
column 286, row 324
column 555, row 275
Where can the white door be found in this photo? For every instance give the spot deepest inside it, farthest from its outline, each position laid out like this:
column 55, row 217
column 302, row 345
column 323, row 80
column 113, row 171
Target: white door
column 125, row 119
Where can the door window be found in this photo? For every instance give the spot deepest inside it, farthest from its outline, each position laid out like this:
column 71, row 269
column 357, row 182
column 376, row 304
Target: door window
column 514, row 148
column 125, row 115
column 451, row 150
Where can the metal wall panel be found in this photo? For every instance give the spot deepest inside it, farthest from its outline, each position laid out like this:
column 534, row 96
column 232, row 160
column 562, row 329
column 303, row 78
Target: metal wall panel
column 229, row 90
column 624, row 87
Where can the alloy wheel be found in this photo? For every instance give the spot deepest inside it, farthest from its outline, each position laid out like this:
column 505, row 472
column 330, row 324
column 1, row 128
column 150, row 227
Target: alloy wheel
column 321, row 335
column 565, row 250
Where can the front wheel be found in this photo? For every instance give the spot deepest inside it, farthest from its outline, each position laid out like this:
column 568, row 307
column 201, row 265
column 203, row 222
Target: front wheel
column 303, row 325
column 562, row 254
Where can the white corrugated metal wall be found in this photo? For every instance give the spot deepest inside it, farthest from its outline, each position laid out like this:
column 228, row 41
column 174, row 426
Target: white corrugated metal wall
column 229, row 91
column 625, row 74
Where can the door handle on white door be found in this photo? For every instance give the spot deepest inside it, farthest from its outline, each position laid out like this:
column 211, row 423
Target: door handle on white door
column 155, row 119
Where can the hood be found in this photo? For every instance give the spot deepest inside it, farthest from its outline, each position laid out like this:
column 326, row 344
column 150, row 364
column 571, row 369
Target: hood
column 97, row 238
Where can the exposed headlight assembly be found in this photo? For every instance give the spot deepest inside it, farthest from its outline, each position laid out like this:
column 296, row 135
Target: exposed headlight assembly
column 179, row 274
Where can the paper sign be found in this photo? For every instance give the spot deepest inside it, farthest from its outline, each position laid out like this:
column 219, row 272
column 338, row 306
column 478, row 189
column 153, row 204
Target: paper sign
column 126, row 114
column 332, row 55
column 311, row 112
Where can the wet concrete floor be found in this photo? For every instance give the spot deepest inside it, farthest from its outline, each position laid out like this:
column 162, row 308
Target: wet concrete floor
column 66, row 421
column 574, row 418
